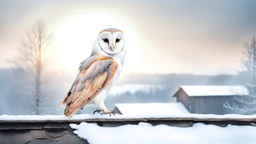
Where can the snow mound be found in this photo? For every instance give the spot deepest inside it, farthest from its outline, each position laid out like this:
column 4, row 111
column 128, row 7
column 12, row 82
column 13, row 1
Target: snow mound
column 163, row 134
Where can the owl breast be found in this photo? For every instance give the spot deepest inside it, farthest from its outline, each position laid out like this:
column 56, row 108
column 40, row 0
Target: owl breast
column 116, row 76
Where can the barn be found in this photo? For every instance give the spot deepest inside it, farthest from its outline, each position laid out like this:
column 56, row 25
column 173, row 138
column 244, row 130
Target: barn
column 208, row 99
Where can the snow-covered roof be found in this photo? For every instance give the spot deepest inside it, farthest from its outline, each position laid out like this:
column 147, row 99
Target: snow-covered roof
column 152, row 108
column 214, row 90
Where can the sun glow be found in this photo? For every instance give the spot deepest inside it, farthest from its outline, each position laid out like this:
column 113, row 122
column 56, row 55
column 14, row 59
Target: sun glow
column 74, row 36
column 45, row 56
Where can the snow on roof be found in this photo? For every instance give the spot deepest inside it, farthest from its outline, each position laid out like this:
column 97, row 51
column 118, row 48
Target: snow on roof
column 215, row 90
column 163, row 134
column 83, row 117
column 152, row 108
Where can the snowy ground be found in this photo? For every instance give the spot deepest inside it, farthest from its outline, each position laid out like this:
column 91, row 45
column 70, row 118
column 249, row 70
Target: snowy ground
column 144, row 133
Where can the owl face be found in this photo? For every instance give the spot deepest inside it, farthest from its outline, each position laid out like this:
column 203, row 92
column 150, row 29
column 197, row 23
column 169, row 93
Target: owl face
column 111, row 41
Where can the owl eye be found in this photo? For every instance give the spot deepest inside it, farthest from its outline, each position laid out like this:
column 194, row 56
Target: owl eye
column 117, row 40
column 105, row 40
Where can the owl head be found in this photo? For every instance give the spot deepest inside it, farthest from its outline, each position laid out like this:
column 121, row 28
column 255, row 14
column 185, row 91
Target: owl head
column 110, row 41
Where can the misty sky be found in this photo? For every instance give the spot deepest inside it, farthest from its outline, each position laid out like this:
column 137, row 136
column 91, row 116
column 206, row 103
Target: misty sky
column 174, row 36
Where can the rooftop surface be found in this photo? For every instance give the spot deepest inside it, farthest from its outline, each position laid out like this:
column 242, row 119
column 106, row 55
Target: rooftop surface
column 214, row 90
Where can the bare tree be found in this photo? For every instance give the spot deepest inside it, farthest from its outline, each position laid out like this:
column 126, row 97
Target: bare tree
column 31, row 60
column 247, row 104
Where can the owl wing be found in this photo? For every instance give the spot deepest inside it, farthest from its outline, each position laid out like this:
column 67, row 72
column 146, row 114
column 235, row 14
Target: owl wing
column 82, row 70
column 90, row 80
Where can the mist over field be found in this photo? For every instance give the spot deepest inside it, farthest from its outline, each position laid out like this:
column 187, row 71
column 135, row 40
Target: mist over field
column 131, row 88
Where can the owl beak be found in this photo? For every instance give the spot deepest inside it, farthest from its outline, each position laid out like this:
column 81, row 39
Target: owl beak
column 112, row 47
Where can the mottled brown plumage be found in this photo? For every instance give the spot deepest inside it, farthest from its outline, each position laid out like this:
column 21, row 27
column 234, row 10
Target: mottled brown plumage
column 93, row 76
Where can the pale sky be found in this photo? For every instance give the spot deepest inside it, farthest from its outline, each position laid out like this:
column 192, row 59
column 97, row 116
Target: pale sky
column 174, row 36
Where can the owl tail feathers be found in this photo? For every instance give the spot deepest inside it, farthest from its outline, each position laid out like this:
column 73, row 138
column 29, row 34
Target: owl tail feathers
column 69, row 111
column 65, row 99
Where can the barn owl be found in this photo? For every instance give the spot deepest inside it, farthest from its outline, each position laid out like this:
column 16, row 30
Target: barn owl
column 97, row 73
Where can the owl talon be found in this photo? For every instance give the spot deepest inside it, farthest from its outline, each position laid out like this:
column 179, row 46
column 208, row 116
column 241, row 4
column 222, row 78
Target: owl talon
column 97, row 111
column 110, row 112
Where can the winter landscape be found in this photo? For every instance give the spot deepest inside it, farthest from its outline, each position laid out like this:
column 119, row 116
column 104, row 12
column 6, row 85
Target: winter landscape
column 189, row 74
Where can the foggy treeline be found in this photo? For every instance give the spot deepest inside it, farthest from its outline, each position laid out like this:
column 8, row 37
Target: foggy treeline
column 184, row 79
column 11, row 103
